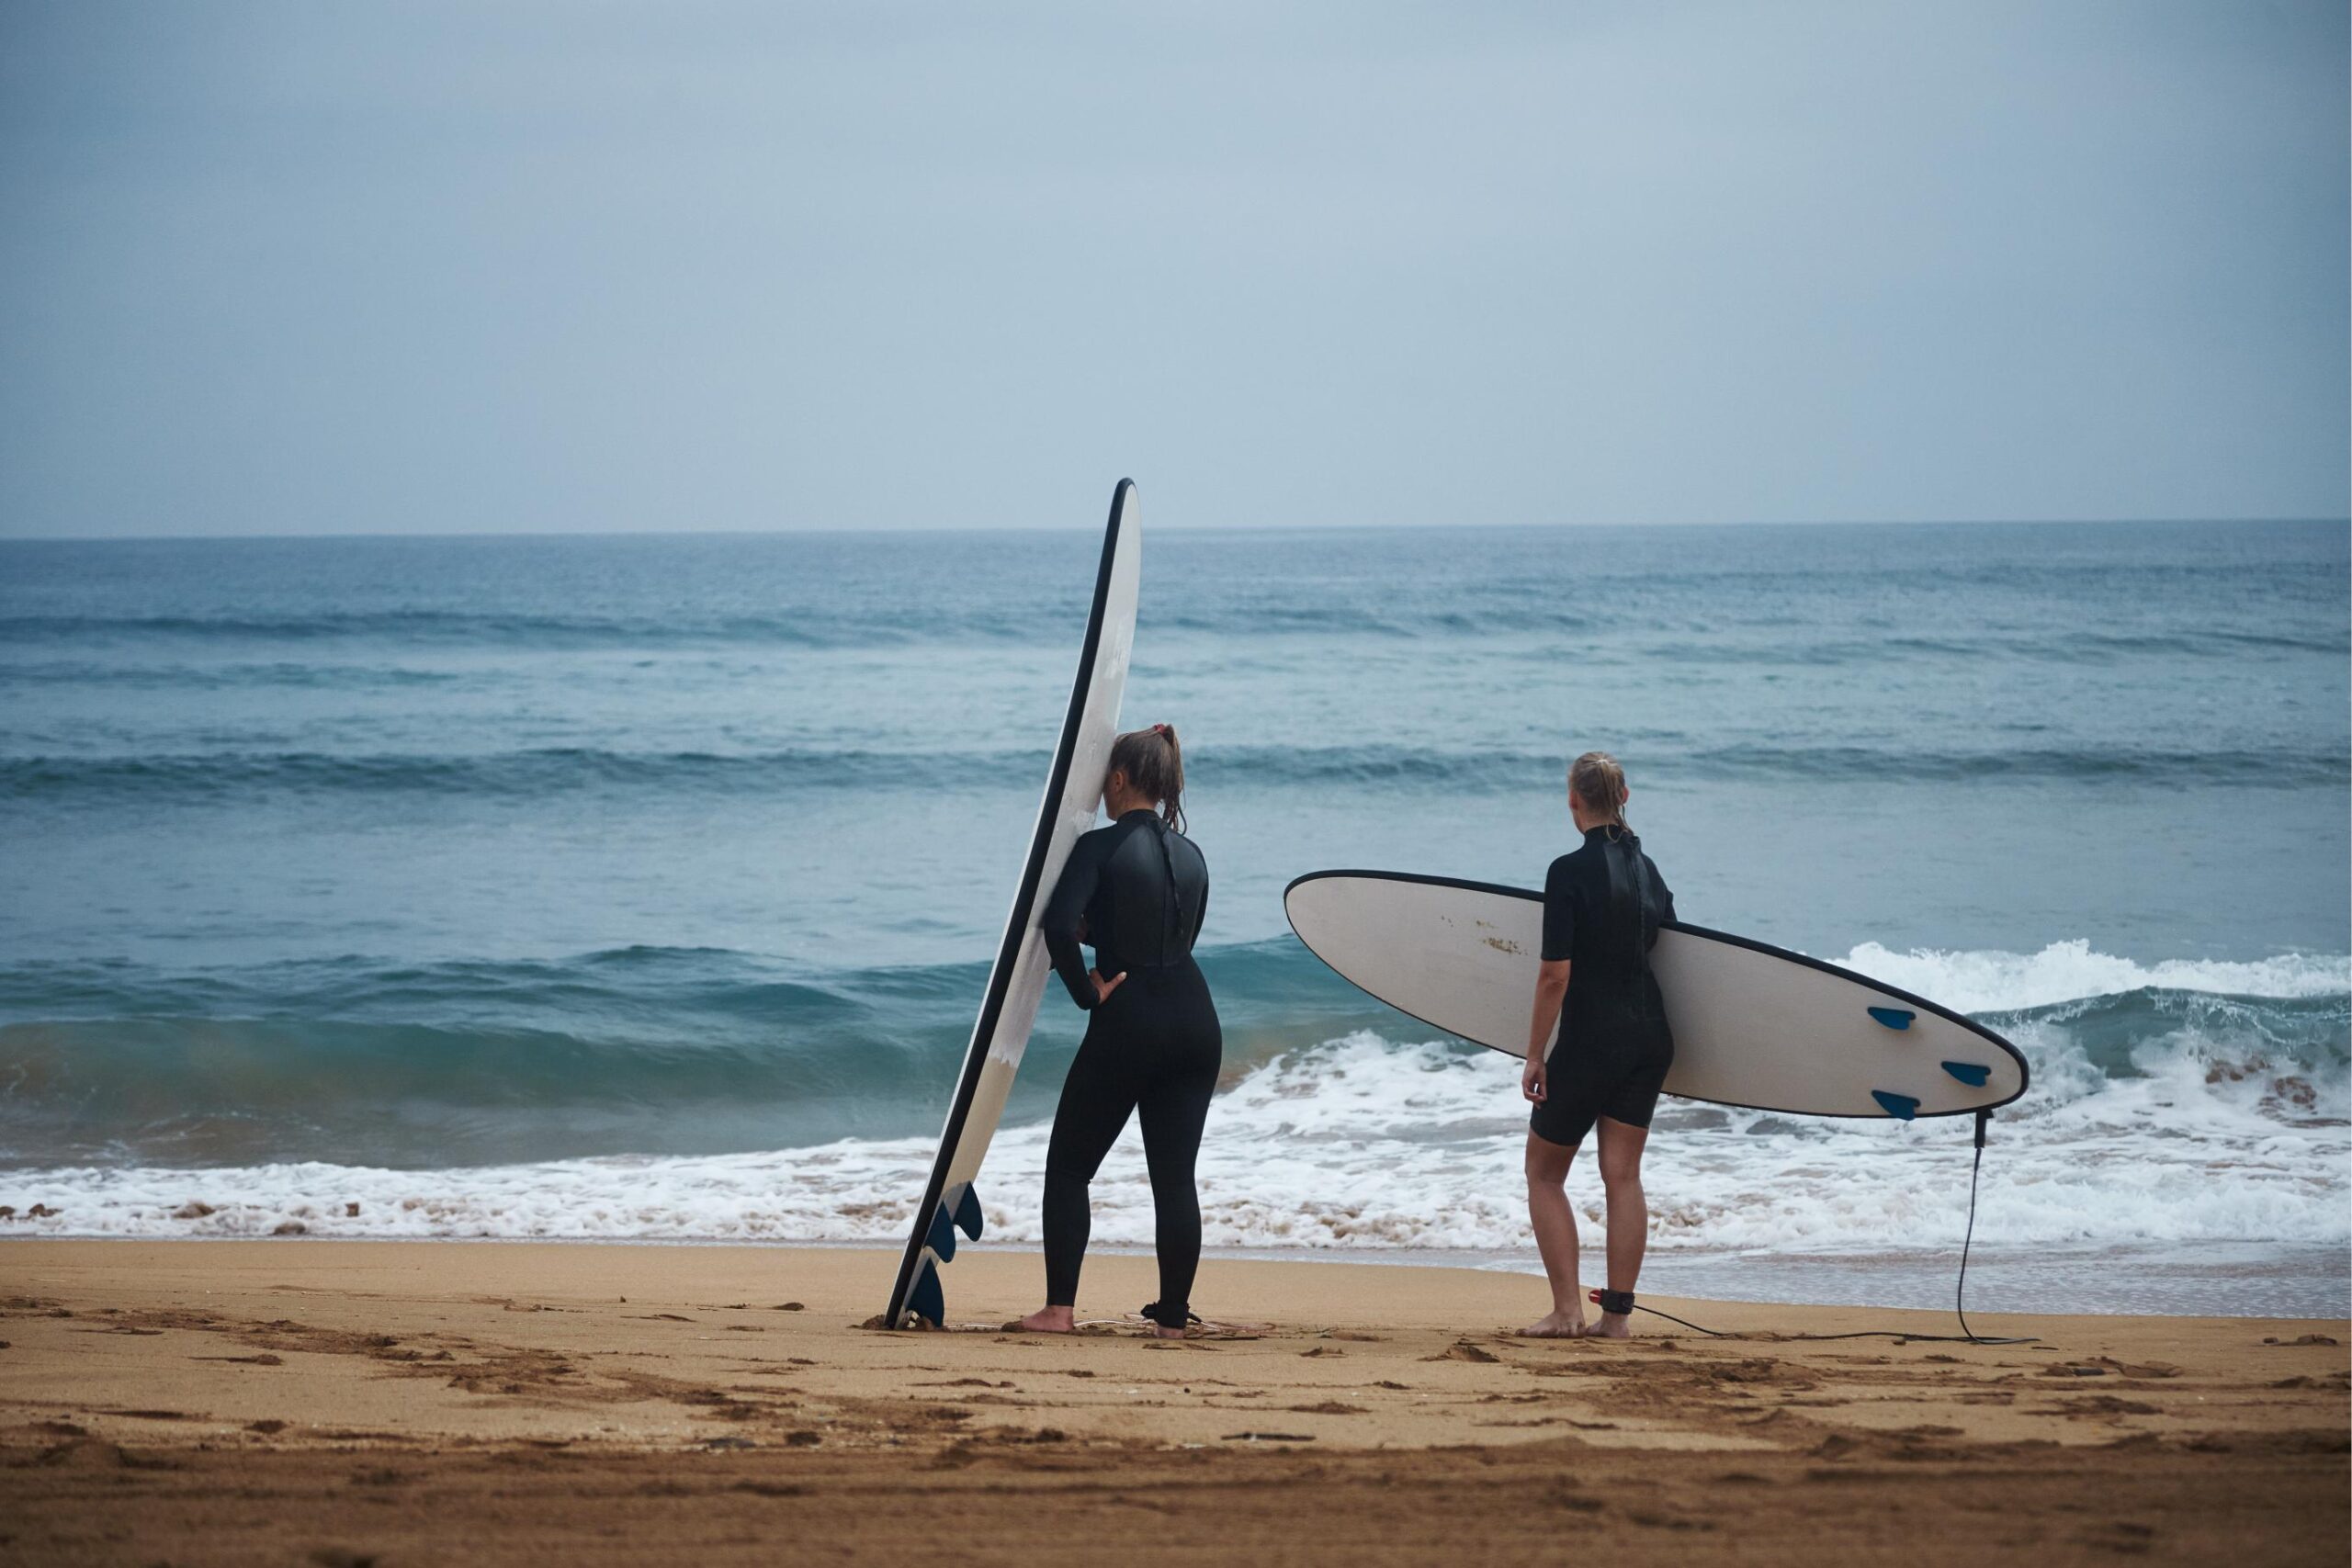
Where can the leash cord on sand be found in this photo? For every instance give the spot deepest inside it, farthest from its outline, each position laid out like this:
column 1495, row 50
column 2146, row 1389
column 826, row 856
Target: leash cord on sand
column 1966, row 1336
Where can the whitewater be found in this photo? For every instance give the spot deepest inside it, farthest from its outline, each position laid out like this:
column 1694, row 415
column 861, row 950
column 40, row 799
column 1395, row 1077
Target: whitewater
column 2223, row 1119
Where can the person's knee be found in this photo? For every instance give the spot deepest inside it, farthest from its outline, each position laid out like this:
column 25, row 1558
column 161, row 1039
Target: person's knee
column 1170, row 1174
column 1547, row 1168
column 1621, row 1176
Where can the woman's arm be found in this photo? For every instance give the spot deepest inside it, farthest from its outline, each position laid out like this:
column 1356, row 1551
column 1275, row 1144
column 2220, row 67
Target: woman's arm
column 1551, row 980
column 1063, row 924
column 1550, row 991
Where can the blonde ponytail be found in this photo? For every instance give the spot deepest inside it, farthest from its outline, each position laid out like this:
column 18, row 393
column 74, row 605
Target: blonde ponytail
column 1599, row 785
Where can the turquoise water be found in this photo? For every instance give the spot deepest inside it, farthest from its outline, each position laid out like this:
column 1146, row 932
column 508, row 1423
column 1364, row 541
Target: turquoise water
column 502, row 877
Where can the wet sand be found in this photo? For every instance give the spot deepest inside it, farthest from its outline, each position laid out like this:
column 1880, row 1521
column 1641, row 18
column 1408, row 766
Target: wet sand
column 415, row 1402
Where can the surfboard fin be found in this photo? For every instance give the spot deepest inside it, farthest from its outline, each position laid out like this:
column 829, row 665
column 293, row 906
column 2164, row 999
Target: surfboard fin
column 967, row 1213
column 1970, row 1072
column 927, row 1301
column 1897, row 1105
column 1894, row 1018
column 941, row 1238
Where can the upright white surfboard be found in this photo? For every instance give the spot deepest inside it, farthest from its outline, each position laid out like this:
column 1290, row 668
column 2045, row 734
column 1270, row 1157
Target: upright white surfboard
column 1753, row 1025
column 1017, row 979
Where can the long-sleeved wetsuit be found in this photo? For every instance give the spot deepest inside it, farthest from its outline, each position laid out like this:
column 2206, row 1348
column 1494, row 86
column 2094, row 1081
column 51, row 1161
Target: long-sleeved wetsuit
column 1602, row 905
column 1137, row 891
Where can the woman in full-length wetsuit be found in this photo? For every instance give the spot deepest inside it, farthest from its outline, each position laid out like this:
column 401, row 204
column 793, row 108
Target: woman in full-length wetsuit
column 1135, row 890
column 1602, row 905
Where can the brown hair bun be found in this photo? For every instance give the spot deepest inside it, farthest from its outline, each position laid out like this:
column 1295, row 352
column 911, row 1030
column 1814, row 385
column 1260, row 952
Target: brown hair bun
column 1154, row 764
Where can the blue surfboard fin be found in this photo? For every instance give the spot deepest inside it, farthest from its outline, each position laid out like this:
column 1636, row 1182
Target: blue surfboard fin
column 926, row 1301
column 941, row 1238
column 1894, row 1018
column 1901, row 1105
column 1969, row 1073
column 967, row 1213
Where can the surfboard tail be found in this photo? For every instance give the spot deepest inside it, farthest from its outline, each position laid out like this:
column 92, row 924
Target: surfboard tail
column 927, row 1302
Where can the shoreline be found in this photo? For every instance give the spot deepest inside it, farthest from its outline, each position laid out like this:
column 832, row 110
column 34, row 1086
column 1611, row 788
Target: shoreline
column 510, row 1401
column 2267, row 1279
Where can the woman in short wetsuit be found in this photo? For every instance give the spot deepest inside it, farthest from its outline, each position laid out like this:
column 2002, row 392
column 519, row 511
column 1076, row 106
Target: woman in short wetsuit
column 1135, row 891
column 1602, row 905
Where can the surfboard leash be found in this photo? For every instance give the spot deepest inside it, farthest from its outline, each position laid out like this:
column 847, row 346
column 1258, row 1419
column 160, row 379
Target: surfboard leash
column 1966, row 1336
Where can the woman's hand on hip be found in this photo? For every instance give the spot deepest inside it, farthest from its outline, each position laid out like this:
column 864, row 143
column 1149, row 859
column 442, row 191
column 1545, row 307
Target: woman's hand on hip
column 1532, row 1080
column 1102, row 989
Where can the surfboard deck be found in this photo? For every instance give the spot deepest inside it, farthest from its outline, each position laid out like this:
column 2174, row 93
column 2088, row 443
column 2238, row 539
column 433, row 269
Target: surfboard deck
column 1016, row 982
column 1755, row 1026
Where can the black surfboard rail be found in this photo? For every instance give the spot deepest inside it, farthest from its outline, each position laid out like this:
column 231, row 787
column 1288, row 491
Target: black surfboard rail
column 2025, row 1076
column 1016, row 925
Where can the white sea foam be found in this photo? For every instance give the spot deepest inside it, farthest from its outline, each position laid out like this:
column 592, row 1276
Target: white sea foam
column 2213, row 1134
column 2069, row 971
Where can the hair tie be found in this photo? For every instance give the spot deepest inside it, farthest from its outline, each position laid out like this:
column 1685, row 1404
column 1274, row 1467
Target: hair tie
column 1160, row 731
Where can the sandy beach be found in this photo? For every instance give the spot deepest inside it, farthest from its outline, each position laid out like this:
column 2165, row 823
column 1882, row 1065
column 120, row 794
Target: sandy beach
column 411, row 1403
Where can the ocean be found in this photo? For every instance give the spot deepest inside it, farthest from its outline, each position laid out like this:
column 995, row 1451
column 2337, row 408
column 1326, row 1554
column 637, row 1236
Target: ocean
column 643, row 887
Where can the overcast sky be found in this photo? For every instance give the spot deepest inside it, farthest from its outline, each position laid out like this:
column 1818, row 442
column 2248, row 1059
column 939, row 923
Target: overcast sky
column 319, row 268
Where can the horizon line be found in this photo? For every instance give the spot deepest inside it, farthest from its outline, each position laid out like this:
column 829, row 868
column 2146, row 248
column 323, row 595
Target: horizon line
column 982, row 528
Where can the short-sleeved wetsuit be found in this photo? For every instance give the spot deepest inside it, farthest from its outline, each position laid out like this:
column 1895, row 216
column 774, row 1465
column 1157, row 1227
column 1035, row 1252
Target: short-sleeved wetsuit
column 1137, row 891
column 1602, row 905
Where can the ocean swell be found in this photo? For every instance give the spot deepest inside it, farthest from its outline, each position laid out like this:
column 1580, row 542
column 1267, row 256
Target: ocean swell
column 243, row 777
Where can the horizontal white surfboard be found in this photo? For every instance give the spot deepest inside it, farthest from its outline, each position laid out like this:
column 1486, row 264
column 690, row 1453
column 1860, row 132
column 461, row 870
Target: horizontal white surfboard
column 1753, row 1025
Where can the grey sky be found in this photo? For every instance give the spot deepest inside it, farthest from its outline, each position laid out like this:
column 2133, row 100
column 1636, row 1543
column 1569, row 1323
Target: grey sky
column 319, row 268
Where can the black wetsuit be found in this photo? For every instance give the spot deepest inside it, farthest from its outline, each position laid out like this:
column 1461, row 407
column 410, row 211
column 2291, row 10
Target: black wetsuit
column 1136, row 892
column 1603, row 904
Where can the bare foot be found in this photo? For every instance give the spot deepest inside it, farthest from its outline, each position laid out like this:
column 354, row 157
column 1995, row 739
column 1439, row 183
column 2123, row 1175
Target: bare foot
column 1556, row 1326
column 1164, row 1332
column 1049, row 1320
column 1612, row 1325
